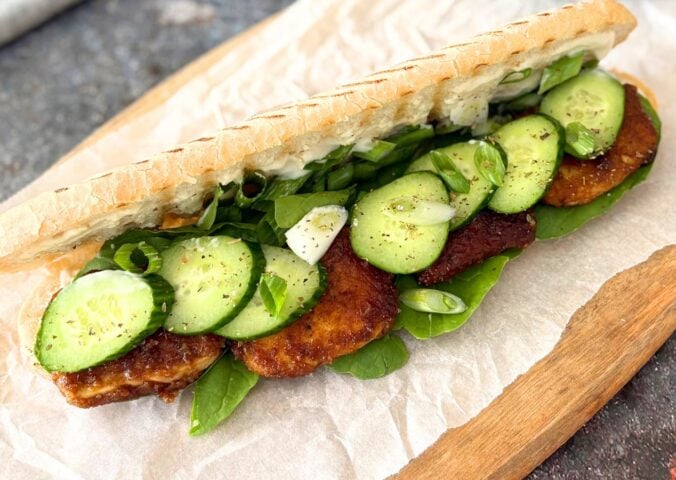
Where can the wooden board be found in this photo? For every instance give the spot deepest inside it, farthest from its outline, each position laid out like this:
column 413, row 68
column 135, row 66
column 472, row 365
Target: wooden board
column 605, row 344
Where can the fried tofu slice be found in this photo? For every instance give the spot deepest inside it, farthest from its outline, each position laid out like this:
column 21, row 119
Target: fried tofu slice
column 487, row 235
column 163, row 364
column 580, row 181
column 360, row 305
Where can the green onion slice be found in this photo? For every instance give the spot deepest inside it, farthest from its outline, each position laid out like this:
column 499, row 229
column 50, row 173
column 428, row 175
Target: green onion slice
column 379, row 150
column 289, row 210
column 560, row 71
column 251, row 189
column 340, row 178
column 281, row 187
column 208, row 217
column 515, row 77
column 365, row 170
column 580, row 141
column 489, row 162
column 432, row 301
column 411, row 135
column 138, row 258
column 416, row 211
column 448, row 172
column 273, row 293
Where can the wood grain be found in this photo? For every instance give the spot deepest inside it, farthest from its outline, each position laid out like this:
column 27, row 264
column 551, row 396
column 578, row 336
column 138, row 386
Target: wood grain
column 605, row 343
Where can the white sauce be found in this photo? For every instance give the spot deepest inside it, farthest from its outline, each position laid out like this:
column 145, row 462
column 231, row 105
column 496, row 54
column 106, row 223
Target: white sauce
column 467, row 102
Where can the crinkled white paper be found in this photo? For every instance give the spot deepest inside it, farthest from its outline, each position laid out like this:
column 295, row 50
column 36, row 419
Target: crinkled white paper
column 327, row 425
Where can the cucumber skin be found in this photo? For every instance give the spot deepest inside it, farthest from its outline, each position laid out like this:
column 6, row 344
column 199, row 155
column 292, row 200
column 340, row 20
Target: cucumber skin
column 549, row 95
column 296, row 314
column 163, row 294
column 257, row 268
column 557, row 164
column 482, row 205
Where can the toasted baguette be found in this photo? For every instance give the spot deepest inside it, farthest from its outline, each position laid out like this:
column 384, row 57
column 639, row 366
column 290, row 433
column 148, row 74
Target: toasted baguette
column 176, row 181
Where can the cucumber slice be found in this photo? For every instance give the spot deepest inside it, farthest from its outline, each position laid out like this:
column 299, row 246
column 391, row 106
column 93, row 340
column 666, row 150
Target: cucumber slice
column 466, row 205
column 593, row 98
column 214, row 278
column 534, row 147
column 100, row 317
column 393, row 245
column 305, row 283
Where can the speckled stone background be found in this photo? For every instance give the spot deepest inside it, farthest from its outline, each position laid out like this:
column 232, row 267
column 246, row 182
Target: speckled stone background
column 64, row 79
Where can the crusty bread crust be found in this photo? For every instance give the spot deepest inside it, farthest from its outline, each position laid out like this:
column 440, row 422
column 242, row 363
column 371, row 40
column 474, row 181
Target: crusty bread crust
column 176, row 181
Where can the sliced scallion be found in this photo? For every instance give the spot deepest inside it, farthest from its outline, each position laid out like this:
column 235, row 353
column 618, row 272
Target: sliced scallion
column 449, row 173
column 138, row 258
column 378, row 151
column 415, row 211
column 561, row 70
column 365, row 170
column 489, row 162
column 411, row 135
column 515, row 77
column 432, row 301
column 580, row 141
column 251, row 189
column 340, row 178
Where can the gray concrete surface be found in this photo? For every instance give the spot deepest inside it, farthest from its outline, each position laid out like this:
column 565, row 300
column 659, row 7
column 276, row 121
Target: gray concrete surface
column 64, row 79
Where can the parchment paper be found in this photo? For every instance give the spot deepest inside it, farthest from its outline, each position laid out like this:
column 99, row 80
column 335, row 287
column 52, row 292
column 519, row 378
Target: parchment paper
column 327, row 425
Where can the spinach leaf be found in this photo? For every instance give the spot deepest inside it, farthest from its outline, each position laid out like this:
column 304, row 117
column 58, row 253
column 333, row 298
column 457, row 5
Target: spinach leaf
column 472, row 286
column 374, row 360
column 218, row 392
column 650, row 111
column 229, row 213
column 555, row 222
column 269, row 232
column 289, row 210
column 246, row 231
column 320, row 169
column 561, row 70
column 281, row 188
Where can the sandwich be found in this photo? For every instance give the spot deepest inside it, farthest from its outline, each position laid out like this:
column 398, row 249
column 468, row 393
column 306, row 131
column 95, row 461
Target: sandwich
column 317, row 233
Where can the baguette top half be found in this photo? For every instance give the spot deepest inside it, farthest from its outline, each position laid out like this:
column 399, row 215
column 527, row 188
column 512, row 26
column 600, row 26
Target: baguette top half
column 283, row 140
